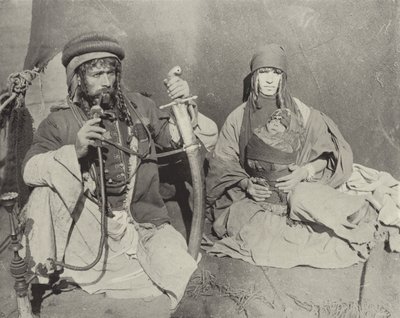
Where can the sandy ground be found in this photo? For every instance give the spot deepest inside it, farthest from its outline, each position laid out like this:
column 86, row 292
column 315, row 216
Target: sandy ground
column 223, row 287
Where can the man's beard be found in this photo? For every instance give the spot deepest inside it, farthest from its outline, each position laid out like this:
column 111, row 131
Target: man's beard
column 105, row 99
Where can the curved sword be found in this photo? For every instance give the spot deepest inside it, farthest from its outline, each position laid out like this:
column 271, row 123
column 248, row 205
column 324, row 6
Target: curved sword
column 192, row 149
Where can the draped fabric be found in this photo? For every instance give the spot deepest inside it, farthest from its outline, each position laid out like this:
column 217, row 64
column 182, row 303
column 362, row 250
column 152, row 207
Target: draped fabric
column 70, row 225
column 321, row 136
column 312, row 230
column 55, row 22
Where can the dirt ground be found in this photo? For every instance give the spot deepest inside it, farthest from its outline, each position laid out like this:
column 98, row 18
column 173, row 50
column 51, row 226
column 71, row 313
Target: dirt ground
column 223, row 287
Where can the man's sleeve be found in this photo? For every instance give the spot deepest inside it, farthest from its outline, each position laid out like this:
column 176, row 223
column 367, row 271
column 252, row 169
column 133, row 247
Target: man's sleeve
column 46, row 138
column 49, row 157
column 207, row 131
column 165, row 132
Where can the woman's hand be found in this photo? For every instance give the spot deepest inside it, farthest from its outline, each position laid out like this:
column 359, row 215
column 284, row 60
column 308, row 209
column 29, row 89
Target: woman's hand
column 87, row 136
column 177, row 87
column 256, row 191
column 289, row 182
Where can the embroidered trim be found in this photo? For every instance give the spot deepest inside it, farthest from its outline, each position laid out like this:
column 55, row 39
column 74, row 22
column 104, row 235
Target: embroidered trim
column 89, row 179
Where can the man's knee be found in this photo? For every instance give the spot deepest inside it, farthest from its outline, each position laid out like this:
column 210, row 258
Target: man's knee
column 163, row 238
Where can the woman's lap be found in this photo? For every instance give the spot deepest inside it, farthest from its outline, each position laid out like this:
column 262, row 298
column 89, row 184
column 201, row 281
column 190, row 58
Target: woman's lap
column 266, row 238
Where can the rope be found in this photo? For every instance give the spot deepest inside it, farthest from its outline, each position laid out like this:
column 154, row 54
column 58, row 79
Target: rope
column 18, row 84
column 20, row 81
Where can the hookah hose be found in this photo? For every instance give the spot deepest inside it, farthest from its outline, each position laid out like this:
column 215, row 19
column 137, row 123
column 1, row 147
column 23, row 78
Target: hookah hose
column 103, row 220
column 103, row 208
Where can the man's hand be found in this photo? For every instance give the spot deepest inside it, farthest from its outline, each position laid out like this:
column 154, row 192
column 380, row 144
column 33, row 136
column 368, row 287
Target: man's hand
column 87, row 136
column 257, row 192
column 289, row 182
column 177, row 87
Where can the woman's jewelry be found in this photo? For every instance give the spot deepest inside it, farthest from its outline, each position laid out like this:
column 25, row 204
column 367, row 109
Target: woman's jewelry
column 310, row 172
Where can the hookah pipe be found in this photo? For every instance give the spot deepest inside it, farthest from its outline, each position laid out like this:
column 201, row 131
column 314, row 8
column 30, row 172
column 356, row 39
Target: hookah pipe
column 18, row 266
column 96, row 111
column 192, row 149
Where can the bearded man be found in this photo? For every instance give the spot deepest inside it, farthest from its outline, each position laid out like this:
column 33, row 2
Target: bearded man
column 143, row 254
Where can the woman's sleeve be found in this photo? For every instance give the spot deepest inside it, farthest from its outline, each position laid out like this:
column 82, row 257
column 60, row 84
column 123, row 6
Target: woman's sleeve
column 323, row 139
column 227, row 147
column 225, row 170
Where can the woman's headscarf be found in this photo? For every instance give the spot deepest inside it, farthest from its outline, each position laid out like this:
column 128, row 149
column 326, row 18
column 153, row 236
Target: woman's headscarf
column 270, row 55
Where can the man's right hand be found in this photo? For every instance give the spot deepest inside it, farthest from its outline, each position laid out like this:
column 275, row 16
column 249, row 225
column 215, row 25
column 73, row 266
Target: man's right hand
column 87, row 136
column 257, row 192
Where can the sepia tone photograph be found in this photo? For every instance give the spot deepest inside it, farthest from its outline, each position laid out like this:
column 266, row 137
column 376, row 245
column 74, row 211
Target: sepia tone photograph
column 200, row 158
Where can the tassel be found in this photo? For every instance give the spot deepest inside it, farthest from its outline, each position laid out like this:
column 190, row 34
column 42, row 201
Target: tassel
column 19, row 139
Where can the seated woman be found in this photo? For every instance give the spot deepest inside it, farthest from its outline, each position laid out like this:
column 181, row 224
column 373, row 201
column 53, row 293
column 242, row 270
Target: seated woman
column 332, row 229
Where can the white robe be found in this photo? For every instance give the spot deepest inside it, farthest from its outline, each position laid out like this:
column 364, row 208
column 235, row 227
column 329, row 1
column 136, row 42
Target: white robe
column 142, row 261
